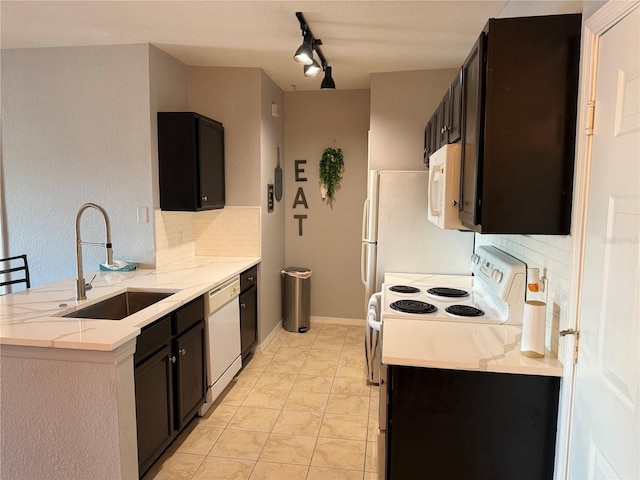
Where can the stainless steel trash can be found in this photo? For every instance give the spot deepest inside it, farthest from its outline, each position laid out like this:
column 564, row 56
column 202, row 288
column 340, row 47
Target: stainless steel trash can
column 296, row 293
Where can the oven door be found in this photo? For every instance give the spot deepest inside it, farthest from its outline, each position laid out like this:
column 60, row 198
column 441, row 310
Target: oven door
column 382, row 424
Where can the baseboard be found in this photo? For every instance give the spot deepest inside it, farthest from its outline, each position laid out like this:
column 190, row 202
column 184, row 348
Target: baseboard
column 272, row 334
column 350, row 322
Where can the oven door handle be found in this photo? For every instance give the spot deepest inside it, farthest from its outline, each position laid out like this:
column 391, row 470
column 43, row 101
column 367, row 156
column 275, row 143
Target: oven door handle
column 373, row 311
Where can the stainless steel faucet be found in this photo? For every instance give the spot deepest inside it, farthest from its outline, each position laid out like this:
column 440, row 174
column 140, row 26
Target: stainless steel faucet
column 81, row 285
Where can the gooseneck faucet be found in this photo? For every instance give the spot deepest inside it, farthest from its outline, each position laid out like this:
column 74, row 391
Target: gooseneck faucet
column 81, row 286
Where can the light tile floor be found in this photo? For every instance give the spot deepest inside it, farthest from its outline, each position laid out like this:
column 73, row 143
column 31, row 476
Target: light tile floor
column 300, row 410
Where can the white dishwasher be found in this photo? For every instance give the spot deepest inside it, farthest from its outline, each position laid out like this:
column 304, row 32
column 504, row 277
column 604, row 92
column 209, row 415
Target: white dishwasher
column 224, row 358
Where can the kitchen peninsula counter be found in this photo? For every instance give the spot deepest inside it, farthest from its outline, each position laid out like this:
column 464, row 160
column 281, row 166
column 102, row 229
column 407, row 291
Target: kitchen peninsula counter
column 67, row 396
column 34, row 318
column 461, row 346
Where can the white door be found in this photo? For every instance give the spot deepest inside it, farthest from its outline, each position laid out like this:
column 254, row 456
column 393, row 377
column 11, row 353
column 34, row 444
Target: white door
column 605, row 425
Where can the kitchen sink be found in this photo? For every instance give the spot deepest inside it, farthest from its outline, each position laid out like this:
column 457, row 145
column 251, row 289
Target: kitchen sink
column 120, row 306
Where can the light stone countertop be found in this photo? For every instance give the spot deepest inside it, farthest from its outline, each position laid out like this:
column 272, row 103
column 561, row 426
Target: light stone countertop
column 461, row 346
column 458, row 346
column 33, row 318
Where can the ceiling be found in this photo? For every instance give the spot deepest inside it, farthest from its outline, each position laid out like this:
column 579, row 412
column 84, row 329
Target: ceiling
column 358, row 37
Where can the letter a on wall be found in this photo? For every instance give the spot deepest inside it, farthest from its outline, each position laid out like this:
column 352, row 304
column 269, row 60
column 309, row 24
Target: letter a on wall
column 300, row 199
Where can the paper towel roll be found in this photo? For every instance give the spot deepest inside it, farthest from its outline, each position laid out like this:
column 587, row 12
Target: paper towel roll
column 533, row 329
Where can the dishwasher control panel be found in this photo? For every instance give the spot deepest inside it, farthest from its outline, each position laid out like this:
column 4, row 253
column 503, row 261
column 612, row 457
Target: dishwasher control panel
column 222, row 294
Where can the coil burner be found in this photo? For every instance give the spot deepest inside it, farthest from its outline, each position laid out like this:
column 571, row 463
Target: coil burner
column 464, row 311
column 448, row 292
column 404, row 289
column 413, row 306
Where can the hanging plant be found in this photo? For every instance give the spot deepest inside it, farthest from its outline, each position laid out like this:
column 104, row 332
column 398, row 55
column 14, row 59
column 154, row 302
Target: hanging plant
column 331, row 169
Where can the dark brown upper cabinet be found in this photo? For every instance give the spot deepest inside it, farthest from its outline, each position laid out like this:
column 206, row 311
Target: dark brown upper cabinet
column 444, row 126
column 191, row 162
column 520, row 89
column 454, row 126
column 513, row 108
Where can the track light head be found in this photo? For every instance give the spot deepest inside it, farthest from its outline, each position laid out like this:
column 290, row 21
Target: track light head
column 304, row 54
column 327, row 81
column 312, row 70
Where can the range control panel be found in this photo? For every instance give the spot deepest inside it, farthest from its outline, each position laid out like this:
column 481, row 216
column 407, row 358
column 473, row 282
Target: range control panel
column 499, row 272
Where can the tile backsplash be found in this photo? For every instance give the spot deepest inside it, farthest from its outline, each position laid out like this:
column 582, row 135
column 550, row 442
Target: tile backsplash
column 174, row 237
column 229, row 232
column 552, row 255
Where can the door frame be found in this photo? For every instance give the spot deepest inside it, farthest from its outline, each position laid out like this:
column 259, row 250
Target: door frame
column 593, row 28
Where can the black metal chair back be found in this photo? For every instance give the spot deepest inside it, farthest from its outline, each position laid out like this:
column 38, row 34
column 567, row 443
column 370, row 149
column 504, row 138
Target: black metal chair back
column 10, row 268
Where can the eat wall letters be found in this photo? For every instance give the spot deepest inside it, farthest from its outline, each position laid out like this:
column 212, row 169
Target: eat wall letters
column 300, row 199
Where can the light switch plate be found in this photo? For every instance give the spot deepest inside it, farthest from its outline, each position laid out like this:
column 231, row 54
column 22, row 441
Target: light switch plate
column 142, row 214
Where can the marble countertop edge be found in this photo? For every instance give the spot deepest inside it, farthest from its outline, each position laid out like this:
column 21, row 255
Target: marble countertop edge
column 35, row 317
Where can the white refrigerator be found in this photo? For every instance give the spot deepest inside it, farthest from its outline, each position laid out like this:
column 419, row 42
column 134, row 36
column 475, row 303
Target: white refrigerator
column 397, row 235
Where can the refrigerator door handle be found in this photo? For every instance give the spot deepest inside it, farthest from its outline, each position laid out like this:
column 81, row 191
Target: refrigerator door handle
column 365, row 241
column 365, row 210
column 363, row 253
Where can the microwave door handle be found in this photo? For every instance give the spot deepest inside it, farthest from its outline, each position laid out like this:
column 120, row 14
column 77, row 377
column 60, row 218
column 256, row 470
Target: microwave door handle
column 434, row 190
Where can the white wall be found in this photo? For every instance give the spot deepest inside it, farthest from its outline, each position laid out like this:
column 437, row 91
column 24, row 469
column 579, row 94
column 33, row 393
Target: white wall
column 76, row 129
column 330, row 244
column 168, row 92
column 67, row 415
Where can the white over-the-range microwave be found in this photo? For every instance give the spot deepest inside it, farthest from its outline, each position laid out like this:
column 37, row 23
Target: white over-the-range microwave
column 444, row 187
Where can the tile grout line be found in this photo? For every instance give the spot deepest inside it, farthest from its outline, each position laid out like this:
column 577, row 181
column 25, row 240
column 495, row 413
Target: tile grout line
column 259, row 373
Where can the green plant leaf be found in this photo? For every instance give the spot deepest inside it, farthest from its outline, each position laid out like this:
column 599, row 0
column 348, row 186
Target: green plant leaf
column 331, row 170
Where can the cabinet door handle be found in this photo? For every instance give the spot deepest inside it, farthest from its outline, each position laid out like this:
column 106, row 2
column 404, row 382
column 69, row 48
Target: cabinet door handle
column 204, row 199
column 242, row 305
column 172, row 359
column 183, row 352
column 250, row 279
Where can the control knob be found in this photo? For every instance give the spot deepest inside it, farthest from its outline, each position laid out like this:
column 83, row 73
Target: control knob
column 496, row 275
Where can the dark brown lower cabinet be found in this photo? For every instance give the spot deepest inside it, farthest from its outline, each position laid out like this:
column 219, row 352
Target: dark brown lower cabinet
column 248, row 311
column 190, row 374
column 170, row 379
column 154, row 407
column 248, row 320
column 455, row 424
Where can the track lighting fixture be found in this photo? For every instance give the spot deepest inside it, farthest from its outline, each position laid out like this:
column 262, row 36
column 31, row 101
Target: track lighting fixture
column 327, row 81
column 312, row 70
column 304, row 55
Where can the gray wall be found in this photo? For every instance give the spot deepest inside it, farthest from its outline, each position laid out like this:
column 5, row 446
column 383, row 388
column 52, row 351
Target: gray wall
column 241, row 99
column 272, row 223
column 76, row 129
column 401, row 105
column 232, row 96
column 330, row 244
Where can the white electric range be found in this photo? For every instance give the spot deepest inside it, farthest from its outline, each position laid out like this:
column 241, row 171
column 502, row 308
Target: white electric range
column 494, row 295
column 492, row 298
